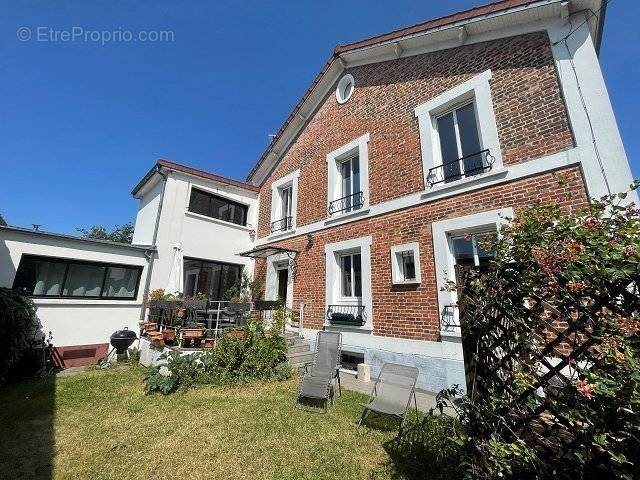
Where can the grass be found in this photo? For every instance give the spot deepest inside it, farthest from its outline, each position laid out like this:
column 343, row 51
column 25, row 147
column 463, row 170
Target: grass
column 99, row 424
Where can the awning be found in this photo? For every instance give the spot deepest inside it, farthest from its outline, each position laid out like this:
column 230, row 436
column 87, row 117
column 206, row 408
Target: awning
column 264, row 252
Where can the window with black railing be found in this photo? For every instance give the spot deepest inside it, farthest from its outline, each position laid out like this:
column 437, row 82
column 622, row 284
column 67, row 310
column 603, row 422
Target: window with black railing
column 460, row 147
column 352, row 196
column 346, row 204
column 282, row 225
column 463, row 167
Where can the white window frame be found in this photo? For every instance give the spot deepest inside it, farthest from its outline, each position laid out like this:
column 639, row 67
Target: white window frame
column 342, row 255
column 348, row 78
column 477, row 90
column 290, row 180
column 442, row 233
column 333, row 272
column 397, row 276
column 360, row 147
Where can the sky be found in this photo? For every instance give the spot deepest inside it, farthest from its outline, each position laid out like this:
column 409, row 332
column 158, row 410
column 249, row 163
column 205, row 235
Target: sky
column 93, row 92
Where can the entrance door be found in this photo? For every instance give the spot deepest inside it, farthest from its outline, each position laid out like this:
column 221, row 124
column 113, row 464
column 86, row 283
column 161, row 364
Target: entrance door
column 470, row 252
column 283, row 280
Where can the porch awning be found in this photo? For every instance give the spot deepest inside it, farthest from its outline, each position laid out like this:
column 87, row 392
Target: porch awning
column 264, row 252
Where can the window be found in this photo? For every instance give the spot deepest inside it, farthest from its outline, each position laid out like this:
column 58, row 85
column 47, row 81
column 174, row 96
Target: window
column 57, row 277
column 405, row 263
column 348, row 178
column 285, row 222
column 213, row 279
column 459, row 143
column 351, row 275
column 284, row 199
column 473, row 250
column 458, row 133
column 345, row 88
column 213, row 206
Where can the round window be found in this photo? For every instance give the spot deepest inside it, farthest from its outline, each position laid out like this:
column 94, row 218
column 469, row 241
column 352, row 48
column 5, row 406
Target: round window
column 345, row 88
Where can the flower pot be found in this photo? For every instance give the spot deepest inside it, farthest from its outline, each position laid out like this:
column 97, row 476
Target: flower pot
column 209, row 342
column 169, row 334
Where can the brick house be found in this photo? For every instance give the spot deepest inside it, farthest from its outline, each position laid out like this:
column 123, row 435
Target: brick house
column 409, row 148
column 405, row 152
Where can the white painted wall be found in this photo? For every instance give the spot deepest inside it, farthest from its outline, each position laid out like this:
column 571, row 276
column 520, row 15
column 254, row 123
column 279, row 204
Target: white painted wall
column 201, row 237
column 74, row 321
column 146, row 216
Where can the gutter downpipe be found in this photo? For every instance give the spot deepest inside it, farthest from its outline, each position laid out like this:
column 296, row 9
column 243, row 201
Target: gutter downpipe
column 152, row 257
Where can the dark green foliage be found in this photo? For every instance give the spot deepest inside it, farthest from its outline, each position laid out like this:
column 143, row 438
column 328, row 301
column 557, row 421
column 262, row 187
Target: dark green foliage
column 18, row 326
column 428, row 449
column 119, row 233
column 561, row 289
column 257, row 354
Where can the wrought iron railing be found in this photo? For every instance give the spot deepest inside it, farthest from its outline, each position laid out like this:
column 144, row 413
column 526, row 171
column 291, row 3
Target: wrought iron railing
column 346, row 315
column 282, row 225
column 467, row 166
column 346, row 204
column 450, row 319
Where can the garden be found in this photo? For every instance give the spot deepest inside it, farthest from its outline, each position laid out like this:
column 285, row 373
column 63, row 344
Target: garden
column 554, row 390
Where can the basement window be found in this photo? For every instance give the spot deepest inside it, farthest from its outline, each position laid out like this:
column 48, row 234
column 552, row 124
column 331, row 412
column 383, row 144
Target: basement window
column 350, row 360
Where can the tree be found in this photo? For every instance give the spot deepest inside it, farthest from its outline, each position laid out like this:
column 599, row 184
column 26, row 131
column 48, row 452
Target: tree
column 120, row 233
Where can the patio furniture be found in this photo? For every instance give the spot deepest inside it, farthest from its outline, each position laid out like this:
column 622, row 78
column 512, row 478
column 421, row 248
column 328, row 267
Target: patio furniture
column 317, row 378
column 392, row 392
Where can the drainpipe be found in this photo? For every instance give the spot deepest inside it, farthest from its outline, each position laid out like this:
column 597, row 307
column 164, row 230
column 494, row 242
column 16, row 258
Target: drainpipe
column 152, row 257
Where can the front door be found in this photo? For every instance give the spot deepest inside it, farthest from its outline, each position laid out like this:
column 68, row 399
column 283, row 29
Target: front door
column 283, row 280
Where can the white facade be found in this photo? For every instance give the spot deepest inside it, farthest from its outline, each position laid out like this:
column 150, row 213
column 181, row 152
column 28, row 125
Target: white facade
column 201, row 237
column 75, row 321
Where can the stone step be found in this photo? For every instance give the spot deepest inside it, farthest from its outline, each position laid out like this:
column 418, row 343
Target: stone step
column 300, row 358
column 303, row 347
column 295, row 341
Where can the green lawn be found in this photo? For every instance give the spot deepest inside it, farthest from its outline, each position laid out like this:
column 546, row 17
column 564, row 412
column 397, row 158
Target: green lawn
column 99, row 424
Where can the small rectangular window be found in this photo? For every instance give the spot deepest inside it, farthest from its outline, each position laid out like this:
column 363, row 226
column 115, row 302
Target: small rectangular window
column 405, row 263
column 58, row 277
column 213, row 206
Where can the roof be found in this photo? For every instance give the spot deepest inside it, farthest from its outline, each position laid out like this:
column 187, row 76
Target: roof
column 64, row 236
column 160, row 163
column 448, row 20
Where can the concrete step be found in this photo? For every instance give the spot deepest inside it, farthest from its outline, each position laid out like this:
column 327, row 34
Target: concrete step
column 300, row 358
column 296, row 341
column 304, row 347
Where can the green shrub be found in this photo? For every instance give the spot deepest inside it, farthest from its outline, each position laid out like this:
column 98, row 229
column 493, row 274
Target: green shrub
column 18, row 327
column 257, row 353
column 554, row 274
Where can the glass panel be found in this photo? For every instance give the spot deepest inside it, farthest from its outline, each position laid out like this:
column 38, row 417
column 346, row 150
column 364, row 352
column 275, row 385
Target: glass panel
column 39, row 277
column 469, row 140
column 83, row 280
column 199, row 202
column 448, row 146
column 229, row 278
column 345, row 169
column 408, row 265
column 120, row 282
column 191, row 277
column 346, row 275
column 355, row 169
column 463, row 249
column 357, row 275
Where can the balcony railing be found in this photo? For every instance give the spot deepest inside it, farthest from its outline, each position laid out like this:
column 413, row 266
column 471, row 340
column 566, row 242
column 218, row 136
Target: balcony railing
column 346, row 204
column 282, row 225
column 350, row 315
column 467, row 166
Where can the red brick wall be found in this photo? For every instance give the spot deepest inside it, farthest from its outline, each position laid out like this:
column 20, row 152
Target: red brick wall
column 530, row 115
column 412, row 311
